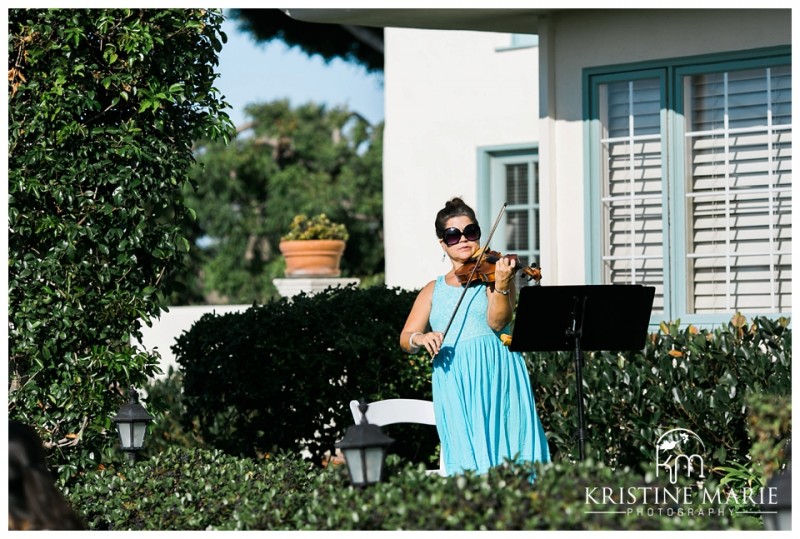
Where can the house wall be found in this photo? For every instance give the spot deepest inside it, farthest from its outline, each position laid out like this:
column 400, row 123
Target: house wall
column 571, row 40
column 446, row 94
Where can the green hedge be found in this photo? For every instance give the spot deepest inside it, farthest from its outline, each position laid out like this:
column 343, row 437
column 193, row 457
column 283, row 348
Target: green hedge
column 281, row 375
column 686, row 377
column 194, row 489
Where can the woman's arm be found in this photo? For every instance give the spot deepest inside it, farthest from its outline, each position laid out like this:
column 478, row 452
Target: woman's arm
column 415, row 333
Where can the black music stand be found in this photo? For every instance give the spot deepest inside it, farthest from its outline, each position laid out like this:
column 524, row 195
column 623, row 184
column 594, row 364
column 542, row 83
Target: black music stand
column 591, row 317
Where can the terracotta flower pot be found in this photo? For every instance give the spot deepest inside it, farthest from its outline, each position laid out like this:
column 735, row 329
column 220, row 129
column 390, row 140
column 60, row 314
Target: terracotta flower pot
column 312, row 258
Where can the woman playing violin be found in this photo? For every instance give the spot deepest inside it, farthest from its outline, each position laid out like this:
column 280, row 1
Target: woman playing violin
column 484, row 407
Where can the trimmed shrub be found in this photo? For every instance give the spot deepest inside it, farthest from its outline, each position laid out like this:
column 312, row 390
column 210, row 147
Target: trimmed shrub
column 192, row 489
column 280, row 376
column 690, row 378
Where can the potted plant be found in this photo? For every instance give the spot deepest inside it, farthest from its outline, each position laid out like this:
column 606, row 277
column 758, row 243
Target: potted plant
column 313, row 246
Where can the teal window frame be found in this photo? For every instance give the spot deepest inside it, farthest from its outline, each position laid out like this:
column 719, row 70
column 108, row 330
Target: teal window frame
column 488, row 204
column 670, row 74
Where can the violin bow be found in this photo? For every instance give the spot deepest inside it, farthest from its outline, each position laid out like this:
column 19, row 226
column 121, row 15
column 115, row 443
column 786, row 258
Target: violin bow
column 472, row 274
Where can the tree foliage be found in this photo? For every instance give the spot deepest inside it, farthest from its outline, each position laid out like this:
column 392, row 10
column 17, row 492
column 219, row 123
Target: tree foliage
column 290, row 160
column 104, row 105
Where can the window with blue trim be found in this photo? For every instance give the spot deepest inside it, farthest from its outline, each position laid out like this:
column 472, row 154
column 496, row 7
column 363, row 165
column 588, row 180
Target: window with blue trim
column 512, row 177
column 691, row 165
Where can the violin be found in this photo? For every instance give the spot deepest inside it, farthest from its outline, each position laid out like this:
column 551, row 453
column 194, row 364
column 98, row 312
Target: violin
column 484, row 271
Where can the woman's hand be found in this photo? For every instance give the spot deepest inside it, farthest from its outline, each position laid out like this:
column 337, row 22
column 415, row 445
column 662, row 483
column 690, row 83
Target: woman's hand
column 431, row 341
column 504, row 274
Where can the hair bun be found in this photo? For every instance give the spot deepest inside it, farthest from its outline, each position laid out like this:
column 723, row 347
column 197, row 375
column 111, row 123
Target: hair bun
column 455, row 201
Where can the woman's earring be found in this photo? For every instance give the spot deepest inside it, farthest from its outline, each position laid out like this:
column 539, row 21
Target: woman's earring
column 443, row 256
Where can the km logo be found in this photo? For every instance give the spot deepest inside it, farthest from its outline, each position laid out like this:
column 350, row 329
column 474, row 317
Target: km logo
column 679, row 449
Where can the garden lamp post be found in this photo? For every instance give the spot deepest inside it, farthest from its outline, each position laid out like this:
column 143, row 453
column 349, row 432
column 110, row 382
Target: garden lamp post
column 364, row 447
column 132, row 420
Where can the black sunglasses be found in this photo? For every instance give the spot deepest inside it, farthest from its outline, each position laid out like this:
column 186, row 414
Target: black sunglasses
column 453, row 235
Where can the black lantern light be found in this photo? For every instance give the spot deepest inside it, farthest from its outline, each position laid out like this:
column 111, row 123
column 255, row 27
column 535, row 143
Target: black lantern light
column 132, row 420
column 364, row 447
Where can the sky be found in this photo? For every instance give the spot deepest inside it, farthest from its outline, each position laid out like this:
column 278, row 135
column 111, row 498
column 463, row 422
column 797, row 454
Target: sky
column 251, row 72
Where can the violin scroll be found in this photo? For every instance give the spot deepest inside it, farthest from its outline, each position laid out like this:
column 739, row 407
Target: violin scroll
column 534, row 273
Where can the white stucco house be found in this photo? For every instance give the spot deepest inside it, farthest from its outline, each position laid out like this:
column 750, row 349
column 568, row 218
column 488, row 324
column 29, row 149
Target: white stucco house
column 632, row 146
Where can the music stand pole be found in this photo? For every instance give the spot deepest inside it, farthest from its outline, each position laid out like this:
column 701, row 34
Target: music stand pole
column 575, row 333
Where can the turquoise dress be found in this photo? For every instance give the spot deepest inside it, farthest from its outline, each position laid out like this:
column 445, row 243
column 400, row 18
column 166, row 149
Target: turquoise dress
column 482, row 399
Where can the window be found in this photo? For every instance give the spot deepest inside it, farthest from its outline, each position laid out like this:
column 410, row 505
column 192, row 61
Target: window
column 737, row 143
column 691, row 184
column 632, row 197
column 511, row 175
